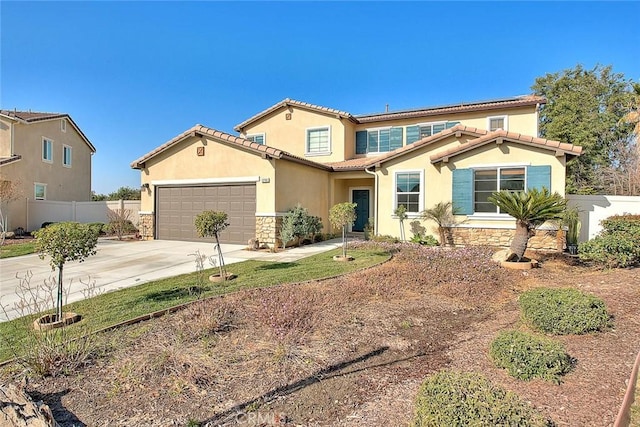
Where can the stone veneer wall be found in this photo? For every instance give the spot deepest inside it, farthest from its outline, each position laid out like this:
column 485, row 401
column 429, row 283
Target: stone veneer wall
column 147, row 225
column 543, row 239
column 268, row 230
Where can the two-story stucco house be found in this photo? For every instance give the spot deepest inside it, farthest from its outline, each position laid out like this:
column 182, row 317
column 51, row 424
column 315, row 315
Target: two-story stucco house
column 298, row 153
column 47, row 155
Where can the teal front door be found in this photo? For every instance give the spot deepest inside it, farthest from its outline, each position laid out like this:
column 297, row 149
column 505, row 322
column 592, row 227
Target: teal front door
column 361, row 199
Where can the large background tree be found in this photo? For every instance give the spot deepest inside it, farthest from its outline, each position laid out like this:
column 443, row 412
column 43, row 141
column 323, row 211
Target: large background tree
column 587, row 107
column 122, row 193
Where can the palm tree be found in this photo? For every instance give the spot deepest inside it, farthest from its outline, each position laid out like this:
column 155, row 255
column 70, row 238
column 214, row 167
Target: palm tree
column 530, row 210
column 442, row 214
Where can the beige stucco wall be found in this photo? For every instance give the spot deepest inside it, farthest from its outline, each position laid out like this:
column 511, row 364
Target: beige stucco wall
column 5, row 137
column 181, row 164
column 290, row 135
column 437, row 185
column 62, row 183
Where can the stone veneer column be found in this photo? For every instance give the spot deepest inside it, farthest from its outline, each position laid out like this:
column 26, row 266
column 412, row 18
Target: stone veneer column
column 147, row 225
column 268, row 230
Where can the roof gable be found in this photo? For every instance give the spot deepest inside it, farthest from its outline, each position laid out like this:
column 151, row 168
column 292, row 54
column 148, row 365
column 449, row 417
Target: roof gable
column 28, row 117
column 291, row 102
column 500, row 136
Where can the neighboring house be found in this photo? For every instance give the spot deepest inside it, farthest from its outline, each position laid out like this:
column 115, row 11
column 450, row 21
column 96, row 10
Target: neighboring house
column 49, row 158
column 295, row 152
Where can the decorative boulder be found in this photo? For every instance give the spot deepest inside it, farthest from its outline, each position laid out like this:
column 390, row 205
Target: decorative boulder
column 17, row 409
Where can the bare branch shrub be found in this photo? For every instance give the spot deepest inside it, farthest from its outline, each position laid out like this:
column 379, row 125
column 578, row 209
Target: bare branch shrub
column 120, row 222
column 9, row 192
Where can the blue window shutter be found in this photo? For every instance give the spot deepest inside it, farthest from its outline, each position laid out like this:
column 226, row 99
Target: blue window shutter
column 452, row 124
column 538, row 177
column 361, row 142
column 413, row 134
column 396, row 138
column 462, row 190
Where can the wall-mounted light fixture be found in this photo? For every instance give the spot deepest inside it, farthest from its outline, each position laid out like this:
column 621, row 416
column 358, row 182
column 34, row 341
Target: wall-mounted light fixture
column 144, row 186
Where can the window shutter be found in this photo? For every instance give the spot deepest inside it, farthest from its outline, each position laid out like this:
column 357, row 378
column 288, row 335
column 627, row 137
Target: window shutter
column 413, row 134
column 396, row 138
column 538, row 177
column 361, row 142
column 452, row 124
column 462, row 191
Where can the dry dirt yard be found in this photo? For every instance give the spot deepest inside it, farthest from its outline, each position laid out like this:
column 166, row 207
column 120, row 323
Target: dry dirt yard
column 350, row 351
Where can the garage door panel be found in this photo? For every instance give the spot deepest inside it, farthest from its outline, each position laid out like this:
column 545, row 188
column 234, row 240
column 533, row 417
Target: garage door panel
column 177, row 208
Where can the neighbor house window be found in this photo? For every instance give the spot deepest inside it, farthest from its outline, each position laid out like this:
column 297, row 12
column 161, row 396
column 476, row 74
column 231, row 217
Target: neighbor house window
column 497, row 123
column 318, row 141
column 40, row 191
column 63, row 125
column 408, row 190
column 66, row 156
column 47, row 150
column 488, row 181
column 258, row 138
column 383, row 140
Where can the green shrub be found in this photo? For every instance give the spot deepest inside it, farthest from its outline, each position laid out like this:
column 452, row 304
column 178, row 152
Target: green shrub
column 563, row 311
column 98, row 227
column 298, row 224
column 466, row 399
column 427, row 240
column 617, row 245
column 385, row 239
column 527, row 356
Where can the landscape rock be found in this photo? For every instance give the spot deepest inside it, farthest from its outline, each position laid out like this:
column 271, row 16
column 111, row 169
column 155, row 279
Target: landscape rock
column 17, row 409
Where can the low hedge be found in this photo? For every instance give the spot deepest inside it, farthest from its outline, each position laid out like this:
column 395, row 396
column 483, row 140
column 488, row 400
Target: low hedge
column 617, row 245
column 449, row 398
column 563, row 311
column 526, row 356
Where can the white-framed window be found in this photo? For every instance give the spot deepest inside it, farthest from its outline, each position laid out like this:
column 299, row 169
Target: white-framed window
column 318, row 141
column 428, row 129
column 47, row 150
column 39, row 191
column 487, row 181
column 63, row 125
column 66, row 156
column 258, row 138
column 383, row 140
column 497, row 123
column 408, row 190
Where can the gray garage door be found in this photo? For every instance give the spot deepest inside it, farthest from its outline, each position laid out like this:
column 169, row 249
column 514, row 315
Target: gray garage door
column 177, row 207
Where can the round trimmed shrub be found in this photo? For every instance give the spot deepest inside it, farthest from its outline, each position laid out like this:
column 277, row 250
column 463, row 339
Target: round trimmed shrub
column 526, row 356
column 563, row 311
column 449, row 398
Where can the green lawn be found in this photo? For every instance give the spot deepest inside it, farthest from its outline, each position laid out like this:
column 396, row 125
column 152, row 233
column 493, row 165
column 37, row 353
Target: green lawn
column 114, row 307
column 8, row 251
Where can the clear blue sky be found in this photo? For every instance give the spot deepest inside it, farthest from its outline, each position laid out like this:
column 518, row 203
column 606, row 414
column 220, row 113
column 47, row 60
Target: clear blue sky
column 134, row 75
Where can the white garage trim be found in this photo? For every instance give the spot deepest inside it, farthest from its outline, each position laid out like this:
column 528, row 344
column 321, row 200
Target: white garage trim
column 233, row 180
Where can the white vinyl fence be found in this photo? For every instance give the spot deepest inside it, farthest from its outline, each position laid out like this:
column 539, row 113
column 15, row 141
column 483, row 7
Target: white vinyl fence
column 594, row 209
column 40, row 211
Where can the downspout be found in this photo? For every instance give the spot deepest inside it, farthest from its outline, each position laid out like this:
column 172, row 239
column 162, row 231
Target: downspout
column 375, row 198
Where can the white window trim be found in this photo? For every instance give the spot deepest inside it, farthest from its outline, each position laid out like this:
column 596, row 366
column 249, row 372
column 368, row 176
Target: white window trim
column 378, row 129
column 306, row 141
column 420, row 195
column 370, row 201
column 35, row 185
column 262, row 134
column 44, row 138
column 65, row 146
column 503, row 117
column 63, row 125
column 442, row 122
column 497, row 216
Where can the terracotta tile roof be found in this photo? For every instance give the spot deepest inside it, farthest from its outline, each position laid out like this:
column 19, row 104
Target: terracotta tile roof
column 352, row 164
column 559, row 147
column 33, row 116
column 200, row 130
column 519, row 101
column 286, row 102
column 7, row 160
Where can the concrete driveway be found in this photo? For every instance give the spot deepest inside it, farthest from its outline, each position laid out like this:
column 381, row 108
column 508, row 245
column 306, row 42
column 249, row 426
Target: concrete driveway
column 123, row 264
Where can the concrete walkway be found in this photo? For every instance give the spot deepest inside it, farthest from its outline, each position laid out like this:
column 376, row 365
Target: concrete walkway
column 124, row 264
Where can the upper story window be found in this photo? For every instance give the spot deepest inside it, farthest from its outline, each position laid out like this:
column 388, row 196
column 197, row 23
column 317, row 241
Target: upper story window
column 488, row 181
column 40, row 191
column 318, row 141
column 63, row 125
column 408, row 190
column 424, row 130
column 47, row 150
column 379, row 140
column 66, row 156
column 497, row 123
column 258, row 138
